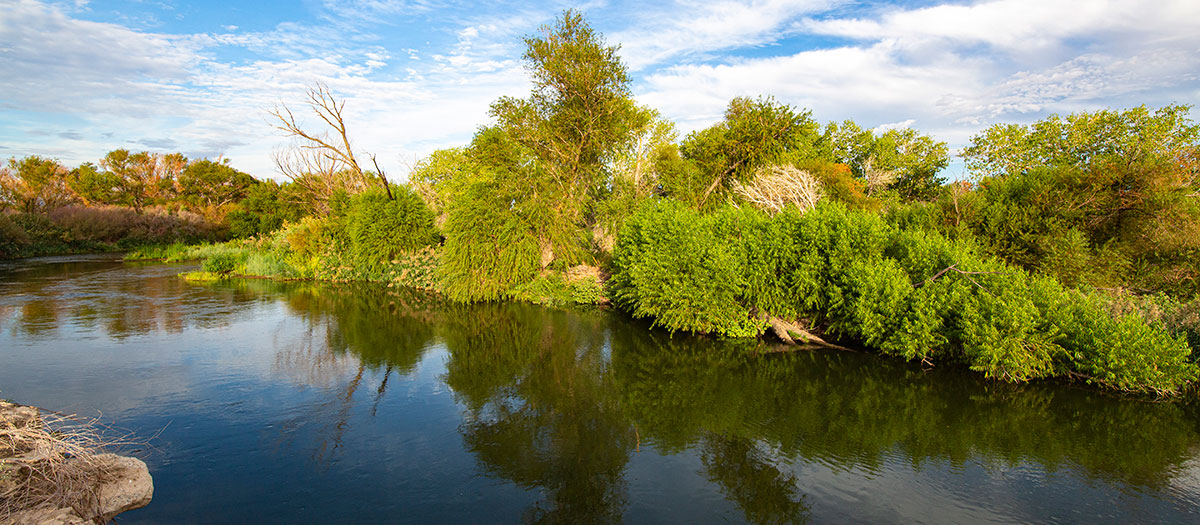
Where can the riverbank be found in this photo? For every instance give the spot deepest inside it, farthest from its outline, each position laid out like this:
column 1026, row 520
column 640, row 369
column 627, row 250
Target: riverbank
column 272, row 393
column 72, row 230
column 53, row 470
column 941, row 302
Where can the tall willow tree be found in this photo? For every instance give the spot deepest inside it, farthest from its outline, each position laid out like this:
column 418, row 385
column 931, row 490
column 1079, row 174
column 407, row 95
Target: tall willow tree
column 541, row 166
column 579, row 111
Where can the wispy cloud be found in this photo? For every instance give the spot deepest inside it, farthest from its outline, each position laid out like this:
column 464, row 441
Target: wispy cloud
column 953, row 69
column 691, row 29
column 75, row 88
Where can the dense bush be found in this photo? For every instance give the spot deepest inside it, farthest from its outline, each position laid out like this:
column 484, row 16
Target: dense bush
column 225, row 261
column 673, row 266
column 490, row 246
column 265, row 209
column 381, row 229
column 910, row 293
column 12, row 238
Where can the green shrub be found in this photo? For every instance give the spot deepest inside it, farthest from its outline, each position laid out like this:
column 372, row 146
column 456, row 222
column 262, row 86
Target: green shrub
column 673, row 268
column 549, row 289
column 418, row 269
column 265, row 209
column 380, row 229
column 490, row 245
column 224, row 261
column 586, row 291
column 911, row 293
column 202, row 276
column 268, row 264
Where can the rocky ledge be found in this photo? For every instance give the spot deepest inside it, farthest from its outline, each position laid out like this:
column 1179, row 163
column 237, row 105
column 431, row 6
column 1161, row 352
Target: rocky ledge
column 87, row 487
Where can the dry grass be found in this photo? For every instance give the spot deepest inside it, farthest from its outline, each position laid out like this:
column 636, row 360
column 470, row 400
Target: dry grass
column 114, row 223
column 47, row 460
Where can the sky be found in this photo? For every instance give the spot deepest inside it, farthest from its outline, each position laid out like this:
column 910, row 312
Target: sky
column 80, row 78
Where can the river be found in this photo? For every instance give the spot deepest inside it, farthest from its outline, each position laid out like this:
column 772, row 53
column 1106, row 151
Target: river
column 307, row 402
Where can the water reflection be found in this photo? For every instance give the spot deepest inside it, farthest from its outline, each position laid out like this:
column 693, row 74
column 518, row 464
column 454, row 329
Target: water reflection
column 559, row 402
column 563, row 403
column 96, row 294
column 541, row 413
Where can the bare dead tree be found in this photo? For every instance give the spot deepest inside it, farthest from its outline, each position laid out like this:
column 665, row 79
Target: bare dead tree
column 878, row 178
column 326, row 161
column 776, row 187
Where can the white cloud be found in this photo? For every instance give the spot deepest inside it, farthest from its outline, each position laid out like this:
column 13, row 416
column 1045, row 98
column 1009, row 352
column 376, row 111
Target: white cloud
column 954, row 69
column 947, row 70
column 692, row 28
column 160, row 91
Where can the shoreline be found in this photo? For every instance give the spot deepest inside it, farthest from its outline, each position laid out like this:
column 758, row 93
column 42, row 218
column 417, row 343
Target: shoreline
column 54, row 470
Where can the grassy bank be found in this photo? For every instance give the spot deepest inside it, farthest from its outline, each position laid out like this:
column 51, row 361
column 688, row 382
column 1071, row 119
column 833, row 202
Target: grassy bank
column 366, row 238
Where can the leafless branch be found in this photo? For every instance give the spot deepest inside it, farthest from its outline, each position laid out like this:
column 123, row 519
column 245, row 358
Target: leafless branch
column 776, row 187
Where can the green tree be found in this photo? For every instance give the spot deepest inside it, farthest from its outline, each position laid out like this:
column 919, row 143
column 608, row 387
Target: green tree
column 93, row 186
column 146, row 178
column 1104, row 198
column 579, row 111
column 213, row 184
column 34, row 184
column 900, row 159
column 1087, row 139
column 753, row 134
column 441, row 177
column 265, row 209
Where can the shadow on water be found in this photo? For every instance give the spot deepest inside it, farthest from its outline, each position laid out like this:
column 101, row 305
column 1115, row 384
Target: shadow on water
column 560, row 402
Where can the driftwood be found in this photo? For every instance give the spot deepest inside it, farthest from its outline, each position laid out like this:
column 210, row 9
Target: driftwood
column 793, row 334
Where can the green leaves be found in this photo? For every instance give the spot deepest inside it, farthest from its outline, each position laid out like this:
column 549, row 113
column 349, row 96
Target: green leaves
column 900, row 159
column 909, row 293
column 381, row 229
column 753, row 134
column 1084, row 140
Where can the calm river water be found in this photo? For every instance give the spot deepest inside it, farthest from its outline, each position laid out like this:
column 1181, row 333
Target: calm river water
column 312, row 403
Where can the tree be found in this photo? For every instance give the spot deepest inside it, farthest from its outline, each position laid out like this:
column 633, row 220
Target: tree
column 637, row 162
column 145, row 178
column 34, row 184
column 213, row 184
column 579, row 111
column 754, row 133
column 1103, row 199
column 1088, row 139
column 318, row 163
column 265, row 209
column 441, row 177
column 900, row 159
column 93, row 186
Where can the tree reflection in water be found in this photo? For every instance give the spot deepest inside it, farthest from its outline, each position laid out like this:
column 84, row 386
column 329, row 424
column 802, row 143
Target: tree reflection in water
column 562, row 403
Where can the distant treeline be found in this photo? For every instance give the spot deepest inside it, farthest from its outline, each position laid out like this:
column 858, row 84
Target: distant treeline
column 132, row 199
column 1072, row 249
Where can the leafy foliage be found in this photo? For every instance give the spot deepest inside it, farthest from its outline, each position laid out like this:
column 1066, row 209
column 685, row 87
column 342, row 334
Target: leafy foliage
column 213, row 184
column 491, row 243
column 34, row 185
column 380, row 229
column 753, row 134
column 899, row 159
column 1085, row 140
column 909, row 293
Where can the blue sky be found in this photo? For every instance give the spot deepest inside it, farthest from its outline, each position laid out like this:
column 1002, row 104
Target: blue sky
column 80, row 78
